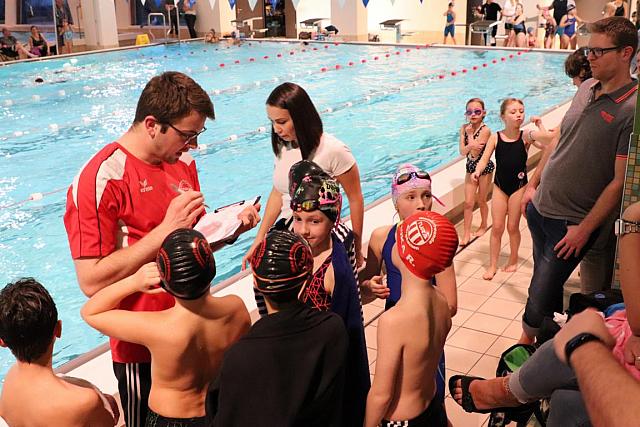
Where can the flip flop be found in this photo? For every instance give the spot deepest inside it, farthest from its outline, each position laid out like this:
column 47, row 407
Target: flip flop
column 467, row 400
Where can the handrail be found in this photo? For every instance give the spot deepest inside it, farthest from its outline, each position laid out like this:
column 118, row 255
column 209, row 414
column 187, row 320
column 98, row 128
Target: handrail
column 177, row 19
column 164, row 24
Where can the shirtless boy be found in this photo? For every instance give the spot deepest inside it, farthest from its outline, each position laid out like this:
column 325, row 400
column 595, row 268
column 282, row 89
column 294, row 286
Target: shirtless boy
column 33, row 396
column 186, row 341
column 411, row 335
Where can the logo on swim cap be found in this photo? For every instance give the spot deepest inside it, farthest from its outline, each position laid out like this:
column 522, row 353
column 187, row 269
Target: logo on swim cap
column 421, row 232
column 299, row 257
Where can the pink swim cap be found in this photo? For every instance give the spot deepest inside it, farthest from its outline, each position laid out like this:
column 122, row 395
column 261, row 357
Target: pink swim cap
column 407, row 178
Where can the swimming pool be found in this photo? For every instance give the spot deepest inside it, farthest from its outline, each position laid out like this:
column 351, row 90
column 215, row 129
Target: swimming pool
column 402, row 106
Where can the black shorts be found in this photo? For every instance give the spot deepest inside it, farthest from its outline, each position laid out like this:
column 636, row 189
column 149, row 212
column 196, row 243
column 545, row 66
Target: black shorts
column 134, row 384
column 433, row 416
column 156, row 420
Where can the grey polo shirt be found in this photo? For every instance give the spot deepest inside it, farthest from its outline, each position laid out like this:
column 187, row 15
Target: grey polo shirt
column 593, row 133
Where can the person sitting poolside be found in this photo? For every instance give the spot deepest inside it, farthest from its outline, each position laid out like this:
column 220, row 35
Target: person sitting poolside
column 201, row 326
column 617, row 362
column 32, row 394
column 11, row 48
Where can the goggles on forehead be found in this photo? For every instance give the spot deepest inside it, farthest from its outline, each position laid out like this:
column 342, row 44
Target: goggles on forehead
column 403, row 178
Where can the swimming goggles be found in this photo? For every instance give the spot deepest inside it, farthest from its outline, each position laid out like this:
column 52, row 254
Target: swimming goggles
column 408, row 176
column 476, row 112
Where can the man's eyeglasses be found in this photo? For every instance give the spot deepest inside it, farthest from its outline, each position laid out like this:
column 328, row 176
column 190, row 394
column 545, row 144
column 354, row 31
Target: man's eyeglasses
column 476, row 112
column 189, row 137
column 597, row 52
column 406, row 177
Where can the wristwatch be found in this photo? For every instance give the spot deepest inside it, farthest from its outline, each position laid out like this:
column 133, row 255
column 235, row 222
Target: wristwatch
column 576, row 342
column 623, row 226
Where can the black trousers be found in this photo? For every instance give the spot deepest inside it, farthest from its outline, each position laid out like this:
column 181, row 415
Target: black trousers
column 173, row 22
column 191, row 25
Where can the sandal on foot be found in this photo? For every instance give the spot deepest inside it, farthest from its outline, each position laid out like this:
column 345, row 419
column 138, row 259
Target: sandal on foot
column 467, row 402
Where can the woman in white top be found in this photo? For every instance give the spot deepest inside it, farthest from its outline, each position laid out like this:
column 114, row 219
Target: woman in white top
column 296, row 134
column 508, row 13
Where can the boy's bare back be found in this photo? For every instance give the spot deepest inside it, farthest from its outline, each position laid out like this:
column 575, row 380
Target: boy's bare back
column 416, row 334
column 187, row 353
column 45, row 400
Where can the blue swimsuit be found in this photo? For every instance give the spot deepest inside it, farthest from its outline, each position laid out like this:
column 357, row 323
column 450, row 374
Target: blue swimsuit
column 450, row 28
column 570, row 29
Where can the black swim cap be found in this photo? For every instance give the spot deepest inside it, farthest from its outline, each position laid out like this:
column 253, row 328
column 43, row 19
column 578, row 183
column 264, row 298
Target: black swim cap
column 300, row 170
column 186, row 264
column 318, row 193
column 282, row 262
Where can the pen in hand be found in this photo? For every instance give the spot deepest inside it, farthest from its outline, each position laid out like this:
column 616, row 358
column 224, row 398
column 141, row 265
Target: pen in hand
column 180, row 191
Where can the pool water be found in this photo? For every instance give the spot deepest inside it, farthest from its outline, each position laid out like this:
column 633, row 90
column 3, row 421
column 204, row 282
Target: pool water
column 389, row 110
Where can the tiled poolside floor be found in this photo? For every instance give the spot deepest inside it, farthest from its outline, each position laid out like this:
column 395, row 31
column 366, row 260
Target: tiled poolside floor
column 488, row 318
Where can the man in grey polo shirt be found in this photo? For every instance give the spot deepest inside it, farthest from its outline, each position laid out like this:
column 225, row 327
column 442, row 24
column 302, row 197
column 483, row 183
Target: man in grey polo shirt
column 579, row 183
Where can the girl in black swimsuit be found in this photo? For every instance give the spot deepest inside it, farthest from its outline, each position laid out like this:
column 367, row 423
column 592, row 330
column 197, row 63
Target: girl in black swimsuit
column 473, row 140
column 511, row 146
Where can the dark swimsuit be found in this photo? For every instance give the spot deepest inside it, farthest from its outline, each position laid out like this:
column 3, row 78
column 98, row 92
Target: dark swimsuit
column 619, row 11
column 314, row 294
column 471, row 162
column 40, row 45
column 549, row 29
column 394, row 282
column 518, row 28
column 345, row 302
column 511, row 165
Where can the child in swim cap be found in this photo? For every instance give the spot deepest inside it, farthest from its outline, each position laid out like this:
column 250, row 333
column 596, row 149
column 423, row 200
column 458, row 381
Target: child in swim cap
column 316, row 204
column 180, row 370
column 411, row 193
column 289, row 368
column 411, row 335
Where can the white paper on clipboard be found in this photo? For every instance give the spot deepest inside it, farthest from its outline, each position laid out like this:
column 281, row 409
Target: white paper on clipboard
column 222, row 223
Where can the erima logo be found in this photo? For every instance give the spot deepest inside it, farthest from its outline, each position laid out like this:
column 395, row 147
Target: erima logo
column 421, row 232
column 144, row 187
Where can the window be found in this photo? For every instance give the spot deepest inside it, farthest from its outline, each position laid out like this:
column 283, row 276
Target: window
column 1, row 11
column 141, row 11
column 33, row 12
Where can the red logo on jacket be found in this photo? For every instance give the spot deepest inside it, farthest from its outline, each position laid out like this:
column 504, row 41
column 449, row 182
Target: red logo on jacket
column 606, row 116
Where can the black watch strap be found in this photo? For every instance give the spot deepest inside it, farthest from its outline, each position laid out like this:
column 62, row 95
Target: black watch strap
column 576, row 342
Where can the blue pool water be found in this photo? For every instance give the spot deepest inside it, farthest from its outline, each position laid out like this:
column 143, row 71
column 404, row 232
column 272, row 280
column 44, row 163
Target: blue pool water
column 44, row 141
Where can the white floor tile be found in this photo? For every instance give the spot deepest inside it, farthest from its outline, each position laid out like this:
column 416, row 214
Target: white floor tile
column 459, row 359
column 500, row 345
column 485, row 367
column 470, row 339
column 501, row 308
column 470, row 301
column 487, row 323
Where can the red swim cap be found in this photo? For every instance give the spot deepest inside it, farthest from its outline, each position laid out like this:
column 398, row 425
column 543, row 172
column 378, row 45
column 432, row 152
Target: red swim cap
column 427, row 242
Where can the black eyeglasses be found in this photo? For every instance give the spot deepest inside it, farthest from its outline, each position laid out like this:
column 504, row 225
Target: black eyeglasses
column 597, row 52
column 189, row 137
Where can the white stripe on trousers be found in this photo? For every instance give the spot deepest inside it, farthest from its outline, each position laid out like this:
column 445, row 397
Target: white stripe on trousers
column 133, row 391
